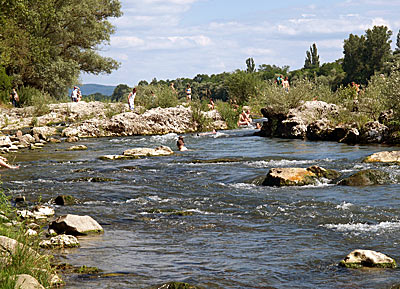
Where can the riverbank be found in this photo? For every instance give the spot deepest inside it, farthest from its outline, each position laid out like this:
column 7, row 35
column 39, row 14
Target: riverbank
column 32, row 127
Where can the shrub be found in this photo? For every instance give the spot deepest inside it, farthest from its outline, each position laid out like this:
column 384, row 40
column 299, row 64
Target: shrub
column 202, row 122
column 228, row 113
column 152, row 96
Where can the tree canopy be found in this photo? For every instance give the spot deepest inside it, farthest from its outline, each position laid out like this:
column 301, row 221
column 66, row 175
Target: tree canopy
column 47, row 43
column 365, row 55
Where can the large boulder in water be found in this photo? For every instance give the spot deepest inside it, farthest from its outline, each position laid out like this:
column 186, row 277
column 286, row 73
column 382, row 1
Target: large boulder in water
column 366, row 178
column 298, row 176
column 367, row 258
column 384, row 157
column 75, row 225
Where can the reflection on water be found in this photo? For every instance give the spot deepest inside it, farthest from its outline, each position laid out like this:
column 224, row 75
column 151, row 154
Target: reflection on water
column 195, row 216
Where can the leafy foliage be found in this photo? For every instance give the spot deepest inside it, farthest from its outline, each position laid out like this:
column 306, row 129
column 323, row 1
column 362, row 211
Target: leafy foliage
column 312, row 58
column 45, row 44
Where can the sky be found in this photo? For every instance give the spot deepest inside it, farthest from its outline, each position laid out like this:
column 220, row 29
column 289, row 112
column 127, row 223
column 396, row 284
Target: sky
column 169, row 39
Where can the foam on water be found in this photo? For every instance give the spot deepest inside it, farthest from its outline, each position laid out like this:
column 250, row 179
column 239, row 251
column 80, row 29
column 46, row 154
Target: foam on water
column 358, row 228
column 344, row 206
column 164, row 138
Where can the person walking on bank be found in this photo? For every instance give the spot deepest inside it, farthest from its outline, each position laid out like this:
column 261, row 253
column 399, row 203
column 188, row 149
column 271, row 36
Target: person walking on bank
column 131, row 99
column 14, row 98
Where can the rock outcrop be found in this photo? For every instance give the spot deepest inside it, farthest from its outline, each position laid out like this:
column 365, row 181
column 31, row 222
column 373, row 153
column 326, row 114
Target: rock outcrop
column 75, row 225
column 367, row 258
column 313, row 121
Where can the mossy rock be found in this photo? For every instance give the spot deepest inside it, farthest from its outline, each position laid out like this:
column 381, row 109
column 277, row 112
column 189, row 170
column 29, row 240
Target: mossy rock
column 392, row 265
column 177, row 285
column 324, row 173
column 65, row 200
column 366, row 178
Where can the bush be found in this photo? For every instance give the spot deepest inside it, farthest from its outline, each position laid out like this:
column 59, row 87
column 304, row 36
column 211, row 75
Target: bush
column 152, row 96
column 228, row 113
column 202, row 122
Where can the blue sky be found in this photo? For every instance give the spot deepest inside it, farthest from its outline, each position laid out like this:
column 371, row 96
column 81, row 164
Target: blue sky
column 168, row 39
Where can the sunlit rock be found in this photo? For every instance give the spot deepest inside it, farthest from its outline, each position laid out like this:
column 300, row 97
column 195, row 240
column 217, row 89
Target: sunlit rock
column 367, row 258
column 60, row 241
column 141, row 152
column 298, row 176
column 384, row 157
column 75, row 225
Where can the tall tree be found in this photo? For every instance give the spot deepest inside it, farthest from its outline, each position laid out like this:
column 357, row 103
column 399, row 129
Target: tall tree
column 366, row 55
column 251, row 67
column 398, row 43
column 312, row 58
column 47, row 43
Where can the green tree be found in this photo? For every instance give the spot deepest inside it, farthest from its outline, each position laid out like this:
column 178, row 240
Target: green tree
column 47, row 43
column 242, row 86
column 397, row 50
column 312, row 58
column 120, row 92
column 251, row 67
column 366, row 55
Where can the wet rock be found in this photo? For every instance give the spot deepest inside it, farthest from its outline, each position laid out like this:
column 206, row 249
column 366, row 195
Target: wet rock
column 149, row 152
column 75, row 225
column 177, row 285
column 43, row 132
column 60, row 241
column 367, row 258
column 113, row 157
column 38, row 212
column 297, row 176
column 20, row 200
column 384, row 157
column 64, row 200
column 366, row 178
column 72, row 139
column 77, row 148
column 352, row 136
column 25, row 281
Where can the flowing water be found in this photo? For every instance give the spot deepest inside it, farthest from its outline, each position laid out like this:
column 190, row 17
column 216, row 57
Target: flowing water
column 196, row 217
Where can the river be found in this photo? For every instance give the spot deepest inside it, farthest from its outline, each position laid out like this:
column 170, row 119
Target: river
column 196, row 217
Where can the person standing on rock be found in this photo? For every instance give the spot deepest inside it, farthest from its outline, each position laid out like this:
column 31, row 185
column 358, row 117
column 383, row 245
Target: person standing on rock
column 14, row 98
column 74, row 94
column 131, row 99
column 188, row 93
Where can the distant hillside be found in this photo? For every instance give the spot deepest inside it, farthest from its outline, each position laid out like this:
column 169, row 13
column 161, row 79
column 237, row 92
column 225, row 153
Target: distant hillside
column 88, row 89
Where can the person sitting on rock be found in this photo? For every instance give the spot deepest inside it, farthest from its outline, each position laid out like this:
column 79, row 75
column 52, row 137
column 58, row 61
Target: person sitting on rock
column 181, row 144
column 4, row 163
column 244, row 118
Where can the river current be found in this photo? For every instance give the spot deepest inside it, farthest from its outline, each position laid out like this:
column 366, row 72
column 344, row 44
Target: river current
column 196, row 217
